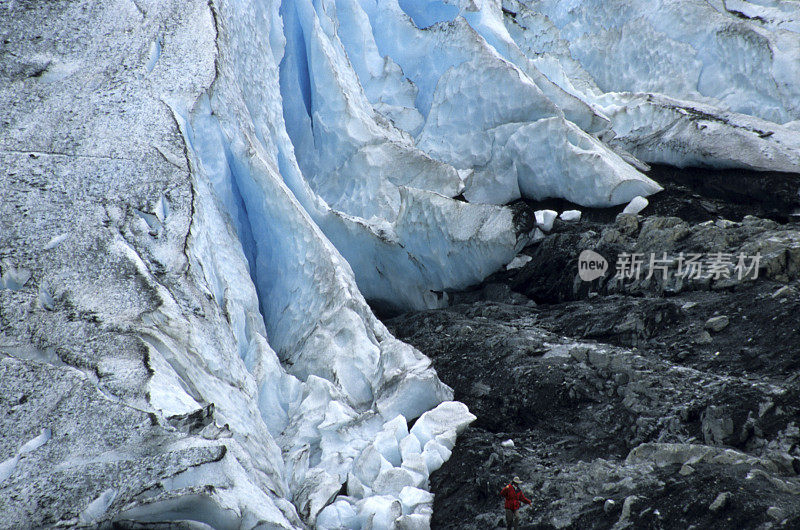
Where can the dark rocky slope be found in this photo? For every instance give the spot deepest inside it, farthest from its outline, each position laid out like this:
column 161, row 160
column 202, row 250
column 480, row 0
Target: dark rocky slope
column 660, row 403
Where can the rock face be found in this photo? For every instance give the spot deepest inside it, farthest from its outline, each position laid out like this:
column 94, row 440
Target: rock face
column 593, row 423
column 620, row 416
column 663, row 255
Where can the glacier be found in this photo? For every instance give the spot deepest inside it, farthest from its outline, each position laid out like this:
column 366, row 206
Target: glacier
column 204, row 201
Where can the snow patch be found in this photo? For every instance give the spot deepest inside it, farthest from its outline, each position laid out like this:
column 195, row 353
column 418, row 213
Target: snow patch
column 14, row 278
column 55, row 241
column 7, row 467
column 545, row 219
column 98, row 507
column 518, row 262
column 636, row 205
column 153, row 55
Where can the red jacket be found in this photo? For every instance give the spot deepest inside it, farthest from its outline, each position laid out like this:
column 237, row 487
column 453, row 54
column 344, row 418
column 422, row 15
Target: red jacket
column 513, row 496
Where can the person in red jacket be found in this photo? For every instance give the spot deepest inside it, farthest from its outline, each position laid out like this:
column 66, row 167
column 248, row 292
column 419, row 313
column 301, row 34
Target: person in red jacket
column 513, row 496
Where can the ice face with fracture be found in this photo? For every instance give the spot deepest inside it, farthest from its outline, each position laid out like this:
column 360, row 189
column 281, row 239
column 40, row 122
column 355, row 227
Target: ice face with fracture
column 718, row 95
column 474, row 95
column 336, row 375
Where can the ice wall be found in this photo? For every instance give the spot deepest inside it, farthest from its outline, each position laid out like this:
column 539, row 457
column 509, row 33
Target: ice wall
column 696, row 83
column 356, row 128
column 689, row 50
column 335, row 376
